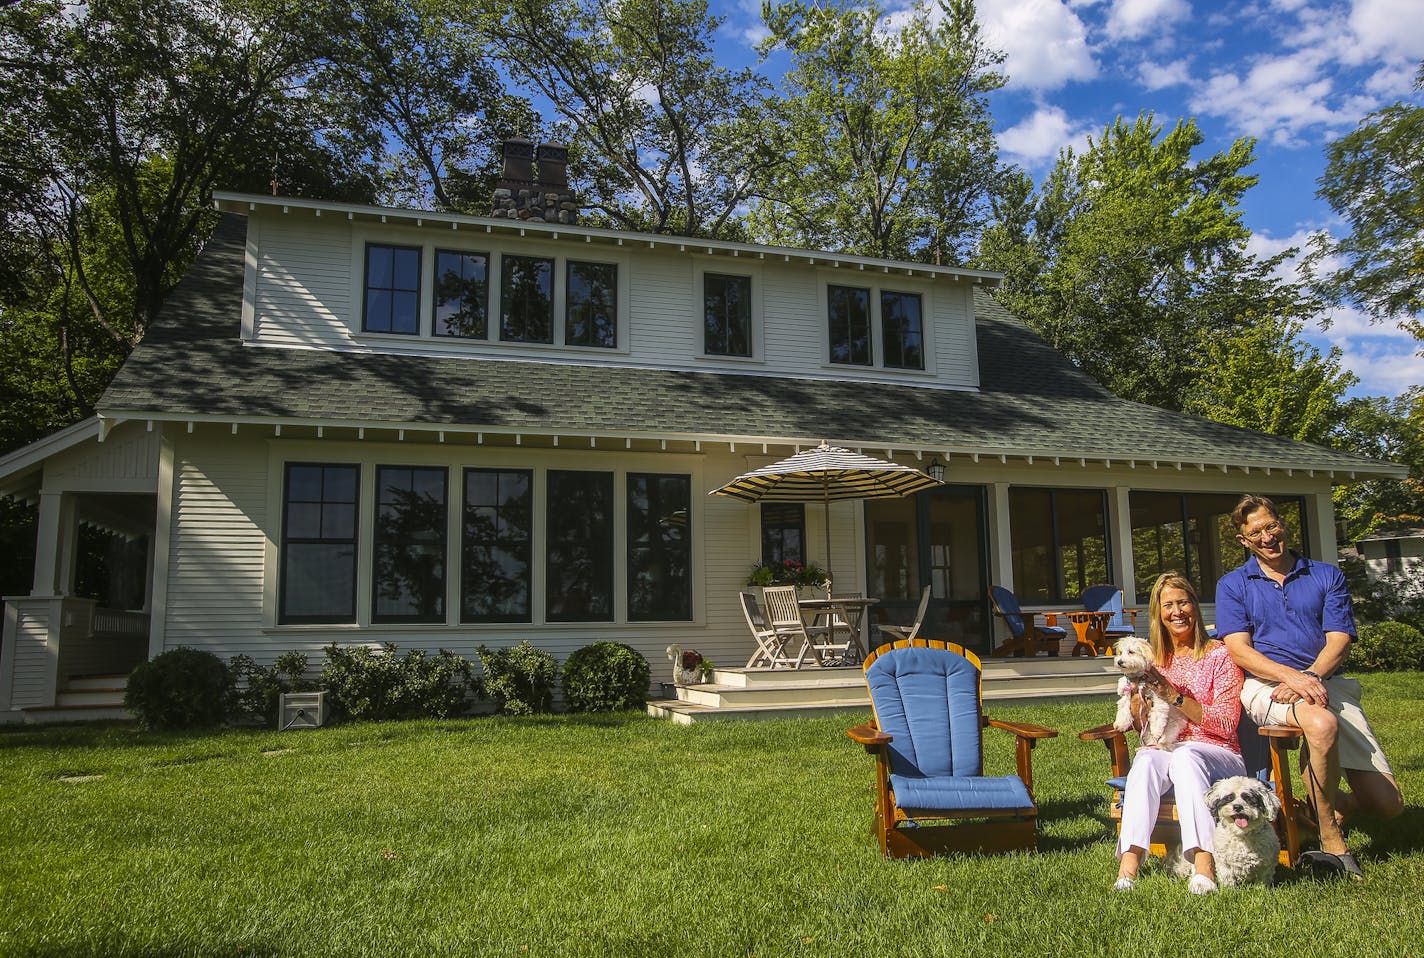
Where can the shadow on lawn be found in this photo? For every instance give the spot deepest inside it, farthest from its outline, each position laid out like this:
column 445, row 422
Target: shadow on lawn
column 1064, row 812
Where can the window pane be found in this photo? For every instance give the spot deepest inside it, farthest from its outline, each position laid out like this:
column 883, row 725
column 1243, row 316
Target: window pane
column 727, row 315
column 1082, row 540
column 1031, row 538
column 903, row 333
column 1158, row 538
column 579, row 557
column 783, row 532
column 409, row 579
column 592, row 296
column 659, row 548
column 527, row 300
column 495, row 557
column 849, row 311
column 318, row 553
column 392, row 302
column 1192, row 533
column 1059, row 542
column 892, row 530
column 461, row 294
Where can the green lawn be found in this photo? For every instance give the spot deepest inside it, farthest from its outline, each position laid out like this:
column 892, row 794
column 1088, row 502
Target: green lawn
column 615, row 836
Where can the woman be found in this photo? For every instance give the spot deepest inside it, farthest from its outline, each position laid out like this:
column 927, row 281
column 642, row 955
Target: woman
column 1197, row 675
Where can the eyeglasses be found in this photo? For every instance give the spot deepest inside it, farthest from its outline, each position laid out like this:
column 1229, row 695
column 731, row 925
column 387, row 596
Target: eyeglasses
column 1269, row 529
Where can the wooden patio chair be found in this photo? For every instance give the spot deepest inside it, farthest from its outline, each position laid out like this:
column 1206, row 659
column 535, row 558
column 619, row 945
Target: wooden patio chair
column 1266, row 752
column 1025, row 636
column 771, row 644
column 783, row 615
column 931, row 793
column 893, row 632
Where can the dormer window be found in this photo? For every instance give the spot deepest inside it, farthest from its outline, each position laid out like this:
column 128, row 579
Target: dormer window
column 592, row 305
column 902, row 330
column 392, row 289
column 461, row 294
column 849, row 309
column 526, row 299
column 727, row 311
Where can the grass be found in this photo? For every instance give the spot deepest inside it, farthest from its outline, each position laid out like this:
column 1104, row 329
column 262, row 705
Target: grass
column 614, row 836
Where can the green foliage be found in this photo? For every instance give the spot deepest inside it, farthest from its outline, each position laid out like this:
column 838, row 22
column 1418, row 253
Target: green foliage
column 366, row 685
column 1374, row 179
column 1391, row 430
column 605, row 677
column 521, row 678
column 260, row 687
column 1388, row 647
column 787, row 572
column 1130, row 259
column 179, row 689
column 662, row 139
column 888, row 136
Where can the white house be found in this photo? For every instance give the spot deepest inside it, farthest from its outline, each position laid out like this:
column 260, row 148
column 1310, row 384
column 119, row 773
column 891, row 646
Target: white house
column 1395, row 559
column 356, row 424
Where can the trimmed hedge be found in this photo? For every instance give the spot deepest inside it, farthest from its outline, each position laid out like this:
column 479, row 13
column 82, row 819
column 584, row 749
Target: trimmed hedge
column 605, row 677
column 1387, row 647
column 179, row 689
column 521, row 679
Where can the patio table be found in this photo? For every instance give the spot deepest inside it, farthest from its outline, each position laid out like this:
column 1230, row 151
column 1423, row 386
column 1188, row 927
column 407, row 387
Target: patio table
column 1089, row 626
column 847, row 614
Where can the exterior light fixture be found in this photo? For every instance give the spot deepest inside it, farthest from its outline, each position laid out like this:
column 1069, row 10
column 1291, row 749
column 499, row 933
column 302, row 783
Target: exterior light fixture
column 936, row 470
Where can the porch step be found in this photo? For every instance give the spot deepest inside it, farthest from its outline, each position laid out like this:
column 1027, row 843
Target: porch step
column 78, row 683
column 788, row 693
column 47, row 714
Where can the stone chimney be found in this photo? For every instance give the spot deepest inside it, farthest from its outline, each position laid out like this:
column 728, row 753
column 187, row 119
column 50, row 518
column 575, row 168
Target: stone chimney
column 536, row 193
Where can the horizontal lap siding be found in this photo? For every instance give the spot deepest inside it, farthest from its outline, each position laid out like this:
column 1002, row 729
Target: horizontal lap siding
column 305, row 290
column 215, row 564
column 663, row 322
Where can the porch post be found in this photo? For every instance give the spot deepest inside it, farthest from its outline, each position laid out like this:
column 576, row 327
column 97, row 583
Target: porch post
column 1320, row 514
column 1120, row 520
column 1001, row 548
column 56, row 543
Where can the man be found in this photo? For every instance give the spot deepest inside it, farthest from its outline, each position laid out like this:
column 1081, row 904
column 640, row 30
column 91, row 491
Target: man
column 1288, row 622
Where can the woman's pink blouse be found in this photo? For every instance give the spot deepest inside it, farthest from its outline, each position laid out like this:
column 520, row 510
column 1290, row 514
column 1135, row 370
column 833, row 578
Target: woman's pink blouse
column 1215, row 682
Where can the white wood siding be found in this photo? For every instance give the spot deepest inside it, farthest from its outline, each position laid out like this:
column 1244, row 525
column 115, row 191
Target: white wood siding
column 35, row 658
column 126, row 461
column 309, row 276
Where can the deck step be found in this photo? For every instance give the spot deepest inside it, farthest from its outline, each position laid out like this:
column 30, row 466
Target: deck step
column 80, row 683
column 46, row 714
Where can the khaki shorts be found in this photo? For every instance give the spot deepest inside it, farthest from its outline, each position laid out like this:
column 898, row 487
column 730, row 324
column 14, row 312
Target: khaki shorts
column 1359, row 749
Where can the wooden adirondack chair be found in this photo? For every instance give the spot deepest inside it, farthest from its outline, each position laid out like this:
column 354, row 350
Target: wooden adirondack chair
column 1025, row 637
column 1108, row 599
column 1266, row 751
column 927, row 739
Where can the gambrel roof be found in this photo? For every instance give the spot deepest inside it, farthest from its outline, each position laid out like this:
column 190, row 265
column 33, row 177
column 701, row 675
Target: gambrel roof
column 1032, row 402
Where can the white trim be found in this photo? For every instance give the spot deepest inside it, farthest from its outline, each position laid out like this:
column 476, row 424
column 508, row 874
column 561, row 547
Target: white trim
column 31, row 457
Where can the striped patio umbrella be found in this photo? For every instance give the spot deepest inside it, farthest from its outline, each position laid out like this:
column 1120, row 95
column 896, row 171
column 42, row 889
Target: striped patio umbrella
column 826, row 474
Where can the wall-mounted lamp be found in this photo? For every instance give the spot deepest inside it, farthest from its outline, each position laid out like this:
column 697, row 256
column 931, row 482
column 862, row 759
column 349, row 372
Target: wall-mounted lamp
column 936, row 470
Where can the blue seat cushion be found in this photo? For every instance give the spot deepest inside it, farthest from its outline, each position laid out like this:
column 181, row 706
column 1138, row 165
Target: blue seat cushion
column 1052, row 631
column 939, row 794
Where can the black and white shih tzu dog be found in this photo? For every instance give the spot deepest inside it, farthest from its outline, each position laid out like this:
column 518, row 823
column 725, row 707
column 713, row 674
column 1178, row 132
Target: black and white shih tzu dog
column 1247, row 849
column 1165, row 721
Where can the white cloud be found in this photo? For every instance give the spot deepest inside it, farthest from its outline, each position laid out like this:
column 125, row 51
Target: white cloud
column 1037, row 139
column 1044, row 42
column 1389, row 28
column 1157, row 76
column 1277, row 99
column 1134, row 19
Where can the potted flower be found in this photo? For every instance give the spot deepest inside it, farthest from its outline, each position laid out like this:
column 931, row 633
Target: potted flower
column 787, row 572
column 689, row 667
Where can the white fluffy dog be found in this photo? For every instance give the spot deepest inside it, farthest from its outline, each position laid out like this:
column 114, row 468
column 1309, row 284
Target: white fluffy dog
column 1165, row 721
column 1247, row 848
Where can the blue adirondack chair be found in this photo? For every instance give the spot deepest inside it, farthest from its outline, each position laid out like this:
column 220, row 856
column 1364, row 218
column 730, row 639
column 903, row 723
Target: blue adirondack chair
column 927, row 739
column 1025, row 636
column 1108, row 598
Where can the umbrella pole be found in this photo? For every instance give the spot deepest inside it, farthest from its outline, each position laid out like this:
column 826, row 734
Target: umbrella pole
column 826, row 501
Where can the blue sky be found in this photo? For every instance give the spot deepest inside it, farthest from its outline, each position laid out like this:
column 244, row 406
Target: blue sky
column 1294, row 74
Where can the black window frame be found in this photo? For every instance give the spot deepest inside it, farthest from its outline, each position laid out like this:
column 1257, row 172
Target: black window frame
column 718, row 322
column 436, row 302
column 288, row 541
column 610, row 310
column 895, row 347
column 668, row 544
column 528, row 543
column 413, row 294
column 564, row 533
column 847, row 353
column 381, row 540
column 777, row 518
column 514, row 310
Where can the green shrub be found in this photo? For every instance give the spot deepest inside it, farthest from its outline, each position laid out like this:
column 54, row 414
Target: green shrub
column 178, row 689
column 363, row 684
column 1387, row 647
column 521, row 679
column 605, row 677
column 260, row 687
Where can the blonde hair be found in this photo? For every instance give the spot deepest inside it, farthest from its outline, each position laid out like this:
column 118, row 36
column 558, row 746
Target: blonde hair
column 1162, row 650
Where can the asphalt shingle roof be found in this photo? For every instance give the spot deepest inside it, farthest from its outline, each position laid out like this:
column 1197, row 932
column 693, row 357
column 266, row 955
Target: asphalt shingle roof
column 1032, row 401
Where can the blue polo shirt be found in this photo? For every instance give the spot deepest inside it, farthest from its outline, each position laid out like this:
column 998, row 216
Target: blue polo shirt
column 1287, row 622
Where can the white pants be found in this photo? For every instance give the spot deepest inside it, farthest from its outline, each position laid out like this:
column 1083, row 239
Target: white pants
column 1189, row 770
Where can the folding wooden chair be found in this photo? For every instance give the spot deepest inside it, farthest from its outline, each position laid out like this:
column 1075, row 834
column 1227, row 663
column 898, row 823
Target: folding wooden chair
column 771, row 644
column 893, row 632
column 783, row 615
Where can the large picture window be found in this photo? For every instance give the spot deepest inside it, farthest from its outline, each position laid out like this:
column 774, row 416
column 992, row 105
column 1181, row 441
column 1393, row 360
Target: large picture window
column 783, row 532
column 579, row 548
column 408, row 583
column 1192, row 533
column 526, row 297
column 592, row 305
column 659, row 548
column 849, row 316
column 392, row 289
column 902, row 329
column 727, row 315
column 496, row 542
column 461, row 294
column 318, row 577
column 1059, row 542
